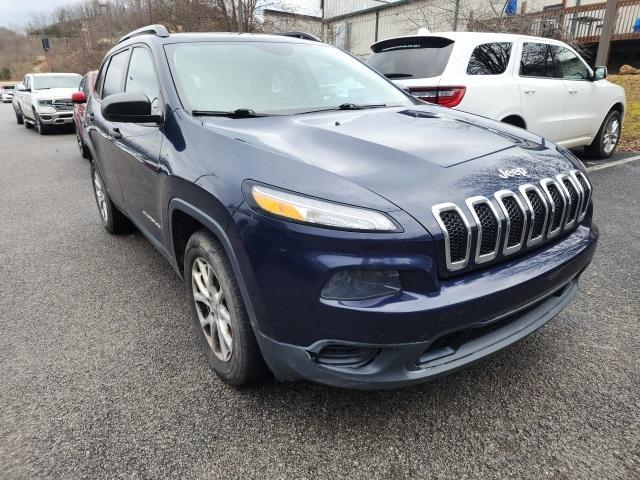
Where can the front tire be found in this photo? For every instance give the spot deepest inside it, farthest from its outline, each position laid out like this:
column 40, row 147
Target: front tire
column 19, row 119
column 40, row 127
column 84, row 151
column 113, row 220
column 219, row 315
column 606, row 141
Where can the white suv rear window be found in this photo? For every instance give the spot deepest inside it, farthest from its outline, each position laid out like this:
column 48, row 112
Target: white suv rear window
column 411, row 57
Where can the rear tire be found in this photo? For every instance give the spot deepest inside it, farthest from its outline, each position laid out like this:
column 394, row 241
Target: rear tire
column 219, row 315
column 113, row 220
column 608, row 137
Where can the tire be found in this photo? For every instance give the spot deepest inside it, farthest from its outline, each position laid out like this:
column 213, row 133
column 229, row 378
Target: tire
column 220, row 317
column 113, row 220
column 40, row 127
column 19, row 119
column 84, row 151
column 608, row 137
column 27, row 125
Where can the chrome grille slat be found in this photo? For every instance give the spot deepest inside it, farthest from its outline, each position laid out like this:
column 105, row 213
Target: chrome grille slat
column 440, row 212
column 489, row 228
column 516, row 220
column 581, row 180
column 572, row 196
column 539, row 210
column 557, row 203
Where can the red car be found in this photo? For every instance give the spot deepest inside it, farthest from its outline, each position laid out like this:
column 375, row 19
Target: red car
column 79, row 99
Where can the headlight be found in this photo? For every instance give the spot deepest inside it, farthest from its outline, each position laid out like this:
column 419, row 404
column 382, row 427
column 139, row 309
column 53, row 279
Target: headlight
column 319, row 212
column 44, row 102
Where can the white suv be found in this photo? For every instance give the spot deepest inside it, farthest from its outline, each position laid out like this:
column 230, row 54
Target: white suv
column 535, row 83
column 44, row 100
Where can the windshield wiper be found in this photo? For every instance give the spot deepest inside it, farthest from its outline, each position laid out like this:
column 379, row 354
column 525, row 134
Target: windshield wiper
column 398, row 75
column 345, row 106
column 239, row 113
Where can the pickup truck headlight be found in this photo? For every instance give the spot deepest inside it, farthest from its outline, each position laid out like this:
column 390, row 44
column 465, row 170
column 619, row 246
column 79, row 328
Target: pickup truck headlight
column 319, row 212
column 45, row 102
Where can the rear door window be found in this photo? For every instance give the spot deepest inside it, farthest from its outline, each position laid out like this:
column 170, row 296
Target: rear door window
column 489, row 59
column 411, row 57
column 115, row 73
column 536, row 61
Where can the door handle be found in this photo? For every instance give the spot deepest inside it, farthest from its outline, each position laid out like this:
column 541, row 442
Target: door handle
column 529, row 91
column 114, row 133
column 572, row 91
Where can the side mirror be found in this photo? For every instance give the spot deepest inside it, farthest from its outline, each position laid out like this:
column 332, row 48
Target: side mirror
column 128, row 107
column 600, row 73
column 21, row 88
column 78, row 98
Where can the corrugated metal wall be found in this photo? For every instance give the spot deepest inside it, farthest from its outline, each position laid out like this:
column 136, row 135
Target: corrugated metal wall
column 357, row 32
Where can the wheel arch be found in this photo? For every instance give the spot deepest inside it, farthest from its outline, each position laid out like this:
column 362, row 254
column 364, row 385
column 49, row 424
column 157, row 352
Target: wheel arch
column 515, row 119
column 184, row 220
column 618, row 106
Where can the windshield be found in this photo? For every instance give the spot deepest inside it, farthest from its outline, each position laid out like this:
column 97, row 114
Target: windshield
column 56, row 81
column 275, row 78
column 411, row 57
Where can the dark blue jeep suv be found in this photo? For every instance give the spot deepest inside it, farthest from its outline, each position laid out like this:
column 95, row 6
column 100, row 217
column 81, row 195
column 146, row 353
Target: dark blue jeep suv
column 327, row 225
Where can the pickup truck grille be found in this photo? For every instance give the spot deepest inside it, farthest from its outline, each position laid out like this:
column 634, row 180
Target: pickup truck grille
column 62, row 104
column 511, row 221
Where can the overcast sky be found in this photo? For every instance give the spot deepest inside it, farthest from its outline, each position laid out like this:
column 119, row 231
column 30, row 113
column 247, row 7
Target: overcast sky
column 16, row 13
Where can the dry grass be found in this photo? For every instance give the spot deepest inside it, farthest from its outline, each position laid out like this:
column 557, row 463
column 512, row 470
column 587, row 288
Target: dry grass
column 630, row 140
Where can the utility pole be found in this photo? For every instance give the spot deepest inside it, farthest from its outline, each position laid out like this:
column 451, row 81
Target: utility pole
column 608, row 29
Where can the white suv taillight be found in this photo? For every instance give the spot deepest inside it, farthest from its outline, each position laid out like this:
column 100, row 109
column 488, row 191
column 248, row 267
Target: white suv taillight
column 444, row 96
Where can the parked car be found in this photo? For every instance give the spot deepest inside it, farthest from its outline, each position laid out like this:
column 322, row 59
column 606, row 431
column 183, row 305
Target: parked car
column 44, row 100
column 535, row 83
column 79, row 100
column 15, row 103
column 6, row 93
column 341, row 232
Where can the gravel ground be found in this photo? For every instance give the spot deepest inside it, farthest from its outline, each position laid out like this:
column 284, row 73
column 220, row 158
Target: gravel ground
column 102, row 376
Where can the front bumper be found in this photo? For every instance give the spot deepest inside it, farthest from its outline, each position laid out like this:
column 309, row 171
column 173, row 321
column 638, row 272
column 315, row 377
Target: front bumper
column 433, row 327
column 406, row 364
column 57, row 118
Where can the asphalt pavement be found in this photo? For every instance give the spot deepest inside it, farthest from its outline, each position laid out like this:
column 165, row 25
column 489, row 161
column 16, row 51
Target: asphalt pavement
column 102, row 377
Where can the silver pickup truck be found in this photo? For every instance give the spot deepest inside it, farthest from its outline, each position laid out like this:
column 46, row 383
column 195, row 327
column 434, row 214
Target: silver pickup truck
column 44, row 99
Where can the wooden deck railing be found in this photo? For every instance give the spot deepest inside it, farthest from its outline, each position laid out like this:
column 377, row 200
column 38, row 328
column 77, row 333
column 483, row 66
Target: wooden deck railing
column 581, row 24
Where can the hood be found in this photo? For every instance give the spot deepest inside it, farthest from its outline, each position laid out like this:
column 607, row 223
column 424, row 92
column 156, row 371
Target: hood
column 54, row 93
column 414, row 157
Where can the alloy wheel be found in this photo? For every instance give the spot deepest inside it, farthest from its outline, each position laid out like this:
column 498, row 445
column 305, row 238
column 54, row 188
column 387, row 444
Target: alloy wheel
column 611, row 135
column 100, row 197
column 211, row 307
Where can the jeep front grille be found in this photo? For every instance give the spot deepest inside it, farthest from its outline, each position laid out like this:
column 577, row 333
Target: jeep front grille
column 529, row 216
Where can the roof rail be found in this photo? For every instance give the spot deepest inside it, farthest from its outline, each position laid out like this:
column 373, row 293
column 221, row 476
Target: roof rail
column 302, row 35
column 157, row 30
